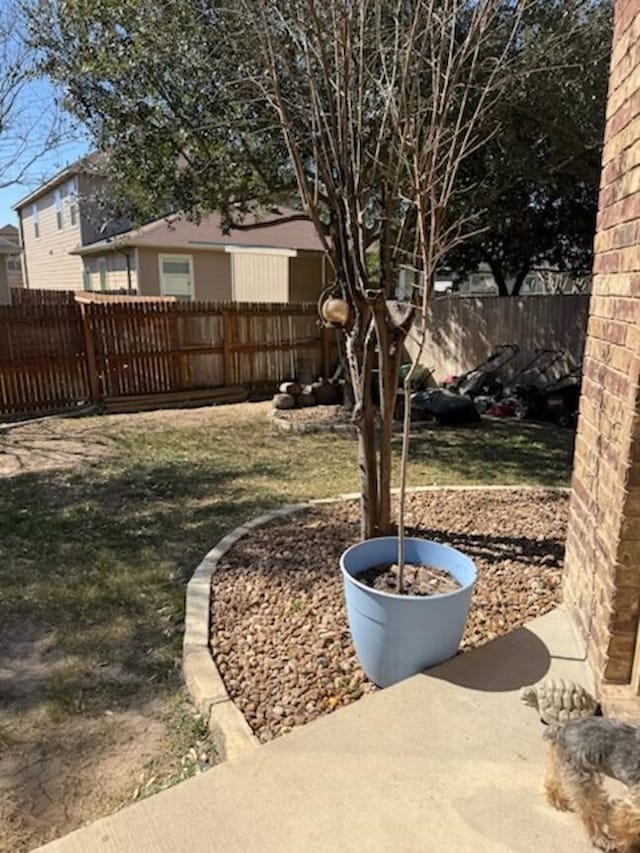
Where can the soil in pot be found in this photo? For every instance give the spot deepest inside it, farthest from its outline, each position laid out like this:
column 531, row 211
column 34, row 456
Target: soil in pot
column 418, row 580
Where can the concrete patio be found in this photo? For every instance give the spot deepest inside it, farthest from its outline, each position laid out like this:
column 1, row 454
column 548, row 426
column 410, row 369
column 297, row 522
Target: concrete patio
column 449, row 761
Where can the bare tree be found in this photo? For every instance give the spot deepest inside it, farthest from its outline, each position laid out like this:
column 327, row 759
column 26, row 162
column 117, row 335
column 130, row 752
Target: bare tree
column 30, row 122
column 379, row 102
column 563, row 281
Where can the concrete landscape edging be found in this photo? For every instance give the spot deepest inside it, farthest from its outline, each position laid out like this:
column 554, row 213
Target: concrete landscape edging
column 230, row 732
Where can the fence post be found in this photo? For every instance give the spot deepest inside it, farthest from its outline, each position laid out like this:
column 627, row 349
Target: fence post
column 227, row 379
column 92, row 369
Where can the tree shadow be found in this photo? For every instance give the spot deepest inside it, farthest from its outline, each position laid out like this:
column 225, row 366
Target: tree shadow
column 463, row 331
column 494, row 549
column 498, row 453
column 102, row 566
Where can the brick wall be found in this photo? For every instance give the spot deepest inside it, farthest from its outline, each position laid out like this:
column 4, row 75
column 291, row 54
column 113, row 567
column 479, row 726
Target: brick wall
column 602, row 577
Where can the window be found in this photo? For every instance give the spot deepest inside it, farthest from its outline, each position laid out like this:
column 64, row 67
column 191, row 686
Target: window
column 102, row 271
column 58, row 198
column 72, row 200
column 36, row 220
column 13, row 263
column 176, row 276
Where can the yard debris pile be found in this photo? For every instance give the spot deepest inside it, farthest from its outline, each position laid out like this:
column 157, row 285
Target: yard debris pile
column 279, row 628
column 292, row 395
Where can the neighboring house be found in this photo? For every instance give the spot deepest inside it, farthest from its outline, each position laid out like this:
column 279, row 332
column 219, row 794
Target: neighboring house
column 279, row 262
column 57, row 217
column 10, row 240
column 544, row 280
column 70, row 244
column 7, row 251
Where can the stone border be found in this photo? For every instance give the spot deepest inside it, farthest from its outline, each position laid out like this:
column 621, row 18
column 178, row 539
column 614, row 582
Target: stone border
column 310, row 427
column 230, row 732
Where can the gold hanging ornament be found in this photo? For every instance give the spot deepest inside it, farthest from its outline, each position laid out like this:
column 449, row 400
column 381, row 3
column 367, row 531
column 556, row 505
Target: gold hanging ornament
column 335, row 311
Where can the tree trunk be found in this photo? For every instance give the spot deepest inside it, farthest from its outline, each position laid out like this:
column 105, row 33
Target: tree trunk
column 519, row 280
column 385, row 458
column 367, row 456
column 375, row 441
column 498, row 276
column 367, row 464
column 389, row 356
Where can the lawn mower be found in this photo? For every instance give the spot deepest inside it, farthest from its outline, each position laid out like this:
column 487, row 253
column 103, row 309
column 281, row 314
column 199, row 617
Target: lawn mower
column 503, row 404
column 557, row 401
column 484, row 378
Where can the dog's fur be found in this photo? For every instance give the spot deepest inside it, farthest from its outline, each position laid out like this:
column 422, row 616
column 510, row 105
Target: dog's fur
column 581, row 753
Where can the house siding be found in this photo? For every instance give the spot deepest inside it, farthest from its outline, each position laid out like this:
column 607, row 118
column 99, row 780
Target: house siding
column 260, row 277
column 15, row 278
column 602, row 560
column 116, row 272
column 211, row 272
column 96, row 223
column 10, row 234
column 305, row 278
column 48, row 262
column 5, row 295
column 148, row 272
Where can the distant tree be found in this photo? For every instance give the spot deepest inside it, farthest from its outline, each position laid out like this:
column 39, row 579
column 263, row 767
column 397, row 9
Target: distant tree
column 157, row 86
column 534, row 188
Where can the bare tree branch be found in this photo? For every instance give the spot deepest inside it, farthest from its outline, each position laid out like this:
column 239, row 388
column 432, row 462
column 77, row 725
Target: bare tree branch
column 29, row 127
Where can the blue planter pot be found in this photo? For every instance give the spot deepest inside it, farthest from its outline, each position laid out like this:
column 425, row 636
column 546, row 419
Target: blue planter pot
column 396, row 636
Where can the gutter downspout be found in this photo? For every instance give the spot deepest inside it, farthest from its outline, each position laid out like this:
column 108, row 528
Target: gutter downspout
column 128, row 261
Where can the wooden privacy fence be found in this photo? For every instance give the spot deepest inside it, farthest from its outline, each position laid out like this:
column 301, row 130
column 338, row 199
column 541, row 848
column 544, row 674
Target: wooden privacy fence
column 28, row 296
column 462, row 331
column 63, row 355
column 157, row 347
column 60, row 356
column 43, row 363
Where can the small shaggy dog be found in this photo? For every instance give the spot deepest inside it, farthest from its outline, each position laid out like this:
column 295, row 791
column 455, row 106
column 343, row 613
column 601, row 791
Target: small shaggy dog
column 581, row 753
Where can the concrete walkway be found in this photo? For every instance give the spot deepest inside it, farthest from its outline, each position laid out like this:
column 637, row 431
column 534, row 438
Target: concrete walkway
column 444, row 762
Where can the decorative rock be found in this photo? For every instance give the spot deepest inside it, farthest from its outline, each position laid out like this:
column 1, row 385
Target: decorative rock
column 307, row 398
column 325, row 393
column 278, row 602
column 292, row 388
column 284, row 401
column 559, row 700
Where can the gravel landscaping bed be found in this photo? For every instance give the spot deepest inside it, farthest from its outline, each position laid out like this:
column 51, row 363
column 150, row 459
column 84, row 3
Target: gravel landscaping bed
column 279, row 629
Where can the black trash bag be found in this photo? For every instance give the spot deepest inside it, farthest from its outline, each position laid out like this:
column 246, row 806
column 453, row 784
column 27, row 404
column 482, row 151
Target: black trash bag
column 446, row 407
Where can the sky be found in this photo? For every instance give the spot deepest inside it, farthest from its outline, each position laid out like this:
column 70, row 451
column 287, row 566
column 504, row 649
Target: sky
column 29, row 124
column 47, row 166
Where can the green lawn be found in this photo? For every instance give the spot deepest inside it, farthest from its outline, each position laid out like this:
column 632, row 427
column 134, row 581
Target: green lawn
column 100, row 553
